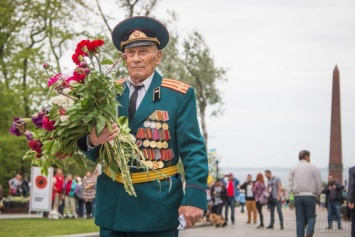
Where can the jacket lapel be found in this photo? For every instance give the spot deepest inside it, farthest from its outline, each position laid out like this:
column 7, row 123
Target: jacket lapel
column 124, row 101
column 147, row 106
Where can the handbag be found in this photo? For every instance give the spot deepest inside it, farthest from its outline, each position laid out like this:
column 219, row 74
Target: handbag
column 264, row 198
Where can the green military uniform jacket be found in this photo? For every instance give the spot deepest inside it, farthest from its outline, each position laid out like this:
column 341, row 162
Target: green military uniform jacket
column 156, row 207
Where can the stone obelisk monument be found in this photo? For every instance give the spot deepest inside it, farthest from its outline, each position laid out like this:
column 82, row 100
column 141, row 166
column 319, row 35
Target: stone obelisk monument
column 335, row 154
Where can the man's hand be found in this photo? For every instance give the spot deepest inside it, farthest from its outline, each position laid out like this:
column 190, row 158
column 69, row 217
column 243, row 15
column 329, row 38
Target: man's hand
column 191, row 214
column 105, row 135
column 351, row 205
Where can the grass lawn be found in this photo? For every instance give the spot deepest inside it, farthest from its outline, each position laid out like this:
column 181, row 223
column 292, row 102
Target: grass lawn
column 39, row 227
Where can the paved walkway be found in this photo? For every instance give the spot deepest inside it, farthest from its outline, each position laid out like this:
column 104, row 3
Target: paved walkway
column 241, row 228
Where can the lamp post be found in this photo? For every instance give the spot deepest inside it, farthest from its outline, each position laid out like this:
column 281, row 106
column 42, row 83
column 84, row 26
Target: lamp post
column 218, row 159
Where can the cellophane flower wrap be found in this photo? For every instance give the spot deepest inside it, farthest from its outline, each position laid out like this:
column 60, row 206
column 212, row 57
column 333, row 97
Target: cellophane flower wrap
column 79, row 102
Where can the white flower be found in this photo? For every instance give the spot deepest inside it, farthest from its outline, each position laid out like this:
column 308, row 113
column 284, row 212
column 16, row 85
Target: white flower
column 67, row 90
column 62, row 101
column 64, row 118
column 74, row 83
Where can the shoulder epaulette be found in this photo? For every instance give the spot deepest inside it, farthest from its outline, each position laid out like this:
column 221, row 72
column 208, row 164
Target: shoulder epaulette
column 120, row 81
column 175, row 85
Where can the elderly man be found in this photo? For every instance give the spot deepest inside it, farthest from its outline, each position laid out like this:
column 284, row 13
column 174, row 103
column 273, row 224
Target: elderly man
column 305, row 183
column 163, row 117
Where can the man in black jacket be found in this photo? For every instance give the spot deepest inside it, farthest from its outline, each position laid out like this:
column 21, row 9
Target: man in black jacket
column 351, row 197
column 250, row 199
column 333, row 200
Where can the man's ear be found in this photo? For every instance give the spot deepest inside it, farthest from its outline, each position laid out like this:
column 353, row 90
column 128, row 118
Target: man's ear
column 158, row 57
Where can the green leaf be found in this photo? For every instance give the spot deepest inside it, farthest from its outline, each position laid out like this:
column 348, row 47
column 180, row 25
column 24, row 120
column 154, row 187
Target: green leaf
column 123, row 123
column 60, row 163
column 100, row 123
column 55, row 147
column 106, row 62
column 80, row 159
column 30, row 154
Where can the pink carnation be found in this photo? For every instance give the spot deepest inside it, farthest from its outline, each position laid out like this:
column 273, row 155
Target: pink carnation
column 48, row 124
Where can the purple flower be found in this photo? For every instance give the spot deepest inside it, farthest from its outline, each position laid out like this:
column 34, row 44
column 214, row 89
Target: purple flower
column 37, row 119
column 29, row 135
column 14, row 128
column 46, row 66
column 83, row 64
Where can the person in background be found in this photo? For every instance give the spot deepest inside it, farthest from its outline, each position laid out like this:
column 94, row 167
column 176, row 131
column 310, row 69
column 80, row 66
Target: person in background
column 89, row 182
column 57, row 194
column 351, row 198
column 69, row 188
column 250, row 199
column 274, row 187
column 322, row 200
column 25, row 186
column 231, row 185
column 305, row 182
column 79, row 196
column 15, row 184
column 333, row 191
column 258, row 190
column 241, row 200
column 219, row 196
column 209, row 201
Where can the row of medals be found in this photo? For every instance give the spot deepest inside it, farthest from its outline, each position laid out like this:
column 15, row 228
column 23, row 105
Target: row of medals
column 161, row 144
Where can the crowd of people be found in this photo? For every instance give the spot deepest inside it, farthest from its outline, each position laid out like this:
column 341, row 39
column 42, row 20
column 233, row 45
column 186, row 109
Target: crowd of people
column 229, row 192
column 73, row 196
column 303, row 192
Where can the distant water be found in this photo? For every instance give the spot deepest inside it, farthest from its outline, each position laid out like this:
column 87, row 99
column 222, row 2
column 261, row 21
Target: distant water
column 282, row 173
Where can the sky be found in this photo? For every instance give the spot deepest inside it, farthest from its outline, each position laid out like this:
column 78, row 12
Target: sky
column 280, row 56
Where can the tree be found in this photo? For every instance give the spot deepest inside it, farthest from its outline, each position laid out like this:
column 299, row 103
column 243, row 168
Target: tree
column 203, row 75
column 31, row 32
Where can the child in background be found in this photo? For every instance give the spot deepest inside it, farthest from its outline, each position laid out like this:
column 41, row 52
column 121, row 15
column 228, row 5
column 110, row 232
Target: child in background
column 241, row 200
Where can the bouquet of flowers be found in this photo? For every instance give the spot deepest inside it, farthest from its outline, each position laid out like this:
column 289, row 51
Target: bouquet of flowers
column 82, row 101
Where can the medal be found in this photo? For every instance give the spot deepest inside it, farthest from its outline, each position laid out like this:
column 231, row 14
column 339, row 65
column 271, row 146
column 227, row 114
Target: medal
column 146, row 143
column 155, row 165
column 158, row 125
column 165, row 126
column 146, row 124
column 152, row 125
column 160, row 164
column 139, row 143
column 153, row 144
column 159, row 145
column 165, row 145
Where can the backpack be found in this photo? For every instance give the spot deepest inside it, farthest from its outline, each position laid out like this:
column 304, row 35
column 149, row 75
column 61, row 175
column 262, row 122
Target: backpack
column 264, row 198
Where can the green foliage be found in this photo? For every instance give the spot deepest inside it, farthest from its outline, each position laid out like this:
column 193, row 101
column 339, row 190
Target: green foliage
column 11, row 152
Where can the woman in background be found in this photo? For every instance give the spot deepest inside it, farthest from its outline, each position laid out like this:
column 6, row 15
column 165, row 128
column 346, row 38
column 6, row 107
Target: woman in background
column 258, row 189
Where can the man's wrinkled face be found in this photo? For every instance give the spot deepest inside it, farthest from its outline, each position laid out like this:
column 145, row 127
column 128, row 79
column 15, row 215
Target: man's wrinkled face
column 141, row 61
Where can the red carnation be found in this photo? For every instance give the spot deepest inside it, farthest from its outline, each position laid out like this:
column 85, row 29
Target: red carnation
column 36, row 145
column 76, row 58
column 82, row 47
column 48, row 124
column 78, row 76
column 62, row 111
column 95, row 44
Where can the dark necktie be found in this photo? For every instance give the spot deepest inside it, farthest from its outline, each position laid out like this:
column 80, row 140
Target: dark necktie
column 133, row 101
